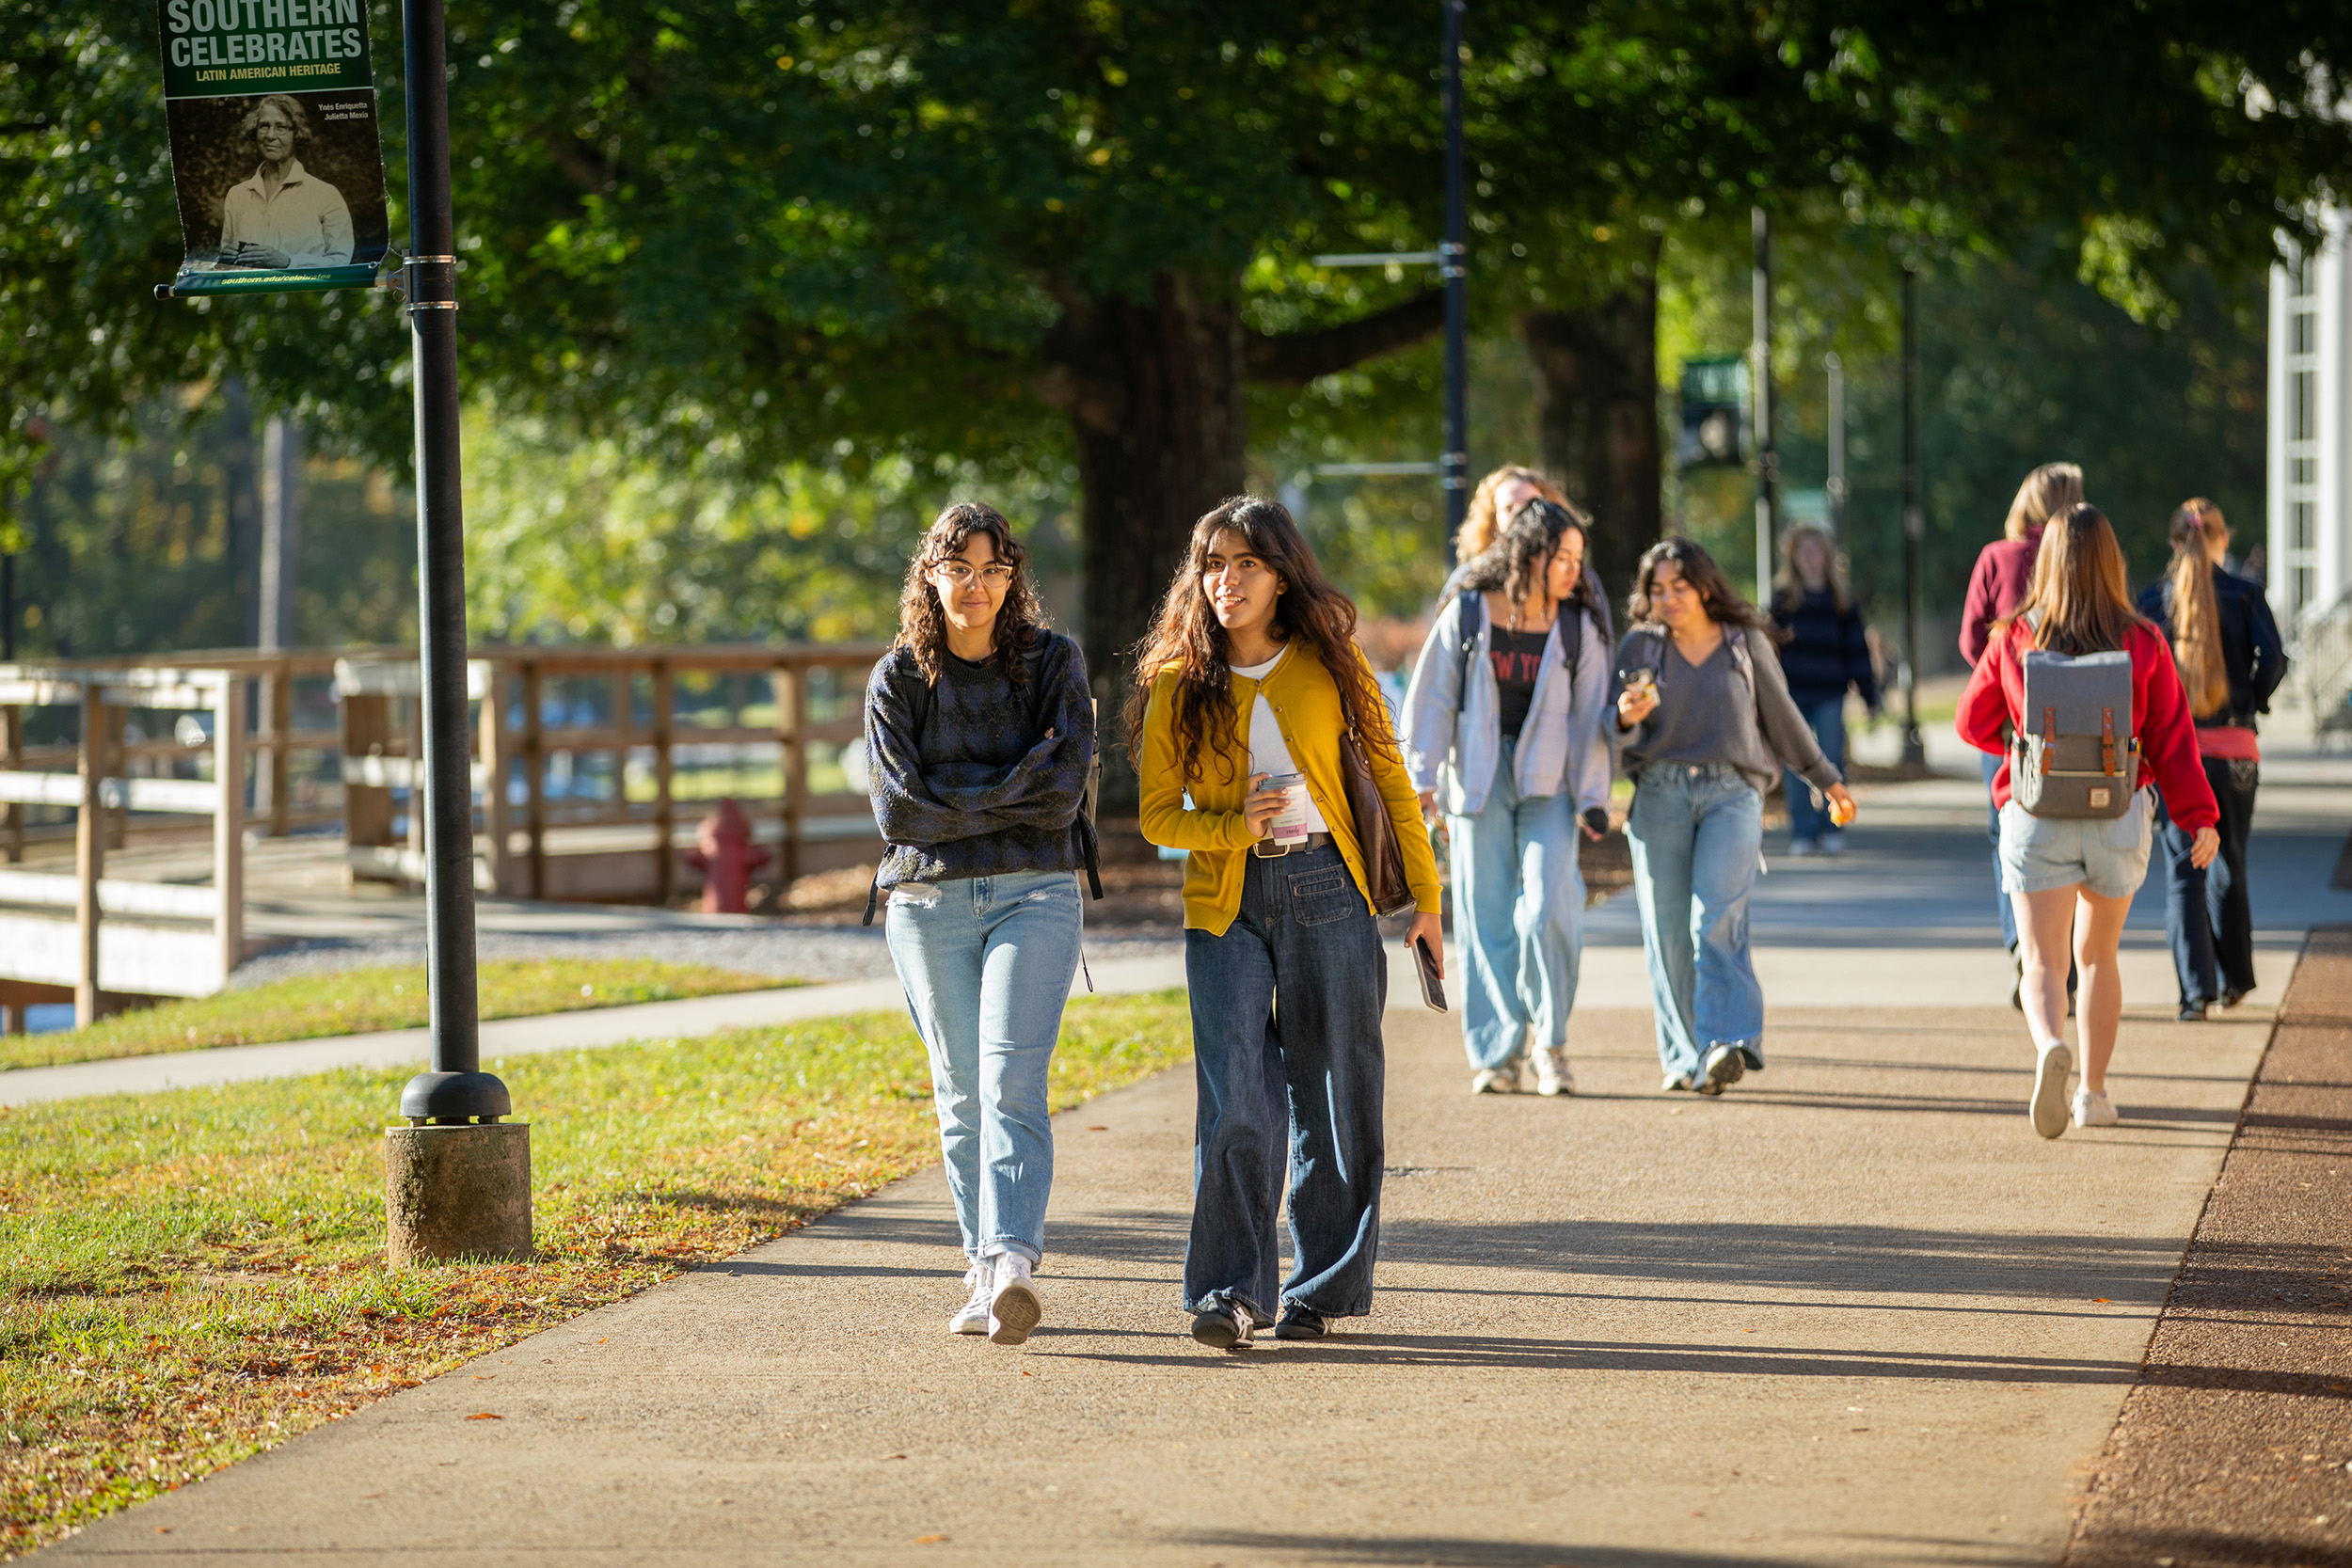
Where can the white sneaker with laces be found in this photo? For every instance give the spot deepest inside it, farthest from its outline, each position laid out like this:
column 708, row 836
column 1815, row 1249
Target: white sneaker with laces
column 1496, row 1080
column 2049, row 1105
column 972, row 1317
column 2095, row 1110
column 1013, row 1310
column 1551, row 1071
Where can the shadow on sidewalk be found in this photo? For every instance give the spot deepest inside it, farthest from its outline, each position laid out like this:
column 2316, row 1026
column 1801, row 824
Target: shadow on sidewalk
column 1455, row 1552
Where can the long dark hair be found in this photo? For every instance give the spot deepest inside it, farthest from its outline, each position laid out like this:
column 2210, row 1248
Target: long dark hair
column 1522, row 552
column 2079, row 599
column 1721, row 602
column 1186, row 634
column 923, row 624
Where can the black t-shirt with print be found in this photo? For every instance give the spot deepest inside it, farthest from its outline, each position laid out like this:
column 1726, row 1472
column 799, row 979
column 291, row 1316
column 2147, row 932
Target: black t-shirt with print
column 1518, row 656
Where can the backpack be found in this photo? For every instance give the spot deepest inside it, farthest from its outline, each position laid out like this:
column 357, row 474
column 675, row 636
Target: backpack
column 2074, row 756
column 917, row 695
column 1474, row 619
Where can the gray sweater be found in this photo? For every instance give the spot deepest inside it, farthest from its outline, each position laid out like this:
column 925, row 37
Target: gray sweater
column 1734, row 707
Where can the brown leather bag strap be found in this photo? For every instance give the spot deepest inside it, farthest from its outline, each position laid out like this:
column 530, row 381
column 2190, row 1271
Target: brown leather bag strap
column 2107, row 740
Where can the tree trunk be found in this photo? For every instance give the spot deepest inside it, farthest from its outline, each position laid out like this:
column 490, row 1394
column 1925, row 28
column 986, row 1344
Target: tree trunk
column 1597, row 413
column 1154, row 395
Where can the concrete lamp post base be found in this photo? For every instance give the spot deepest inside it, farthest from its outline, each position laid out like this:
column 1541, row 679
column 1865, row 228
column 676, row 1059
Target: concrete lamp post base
column 454, row 1192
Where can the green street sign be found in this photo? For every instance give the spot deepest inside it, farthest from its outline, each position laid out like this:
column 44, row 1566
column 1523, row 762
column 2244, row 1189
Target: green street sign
column 274, row 145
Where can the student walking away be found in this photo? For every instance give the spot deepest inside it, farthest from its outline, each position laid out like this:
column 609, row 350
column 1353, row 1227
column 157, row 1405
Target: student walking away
column 2078, row 698
column 2226, row 647
column 2003, row 573
column 1705, row 722
column 1503, row 733
column 1267, row 751
column 979, row 741
column 1824, row 653
column 1492, row 505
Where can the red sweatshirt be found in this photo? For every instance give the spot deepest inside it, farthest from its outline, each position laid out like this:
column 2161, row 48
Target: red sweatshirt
column 1997, row 586
column 2168, row 739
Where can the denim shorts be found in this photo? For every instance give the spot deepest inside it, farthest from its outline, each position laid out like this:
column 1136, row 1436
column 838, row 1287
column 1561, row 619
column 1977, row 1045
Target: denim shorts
column 2039, row 853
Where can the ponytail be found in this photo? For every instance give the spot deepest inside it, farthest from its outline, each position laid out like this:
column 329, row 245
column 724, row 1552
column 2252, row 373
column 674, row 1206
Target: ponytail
column 2196, row 616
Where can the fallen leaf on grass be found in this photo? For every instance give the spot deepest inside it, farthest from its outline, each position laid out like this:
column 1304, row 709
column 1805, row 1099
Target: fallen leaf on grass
column 485, row 1415
column 893, row 1456
column 929, row 1540
column 2101, row 1301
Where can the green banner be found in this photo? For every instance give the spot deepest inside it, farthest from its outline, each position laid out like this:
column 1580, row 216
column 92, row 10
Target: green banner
column 274, row 145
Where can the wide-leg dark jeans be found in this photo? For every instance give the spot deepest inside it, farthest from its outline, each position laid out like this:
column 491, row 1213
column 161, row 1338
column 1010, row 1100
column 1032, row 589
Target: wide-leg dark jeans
column 1286, row 1047
column 2209, row 914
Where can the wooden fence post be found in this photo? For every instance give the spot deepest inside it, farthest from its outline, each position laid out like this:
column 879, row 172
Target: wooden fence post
column 791, row 735
column 496, row 815
column 534, row 782
column 89, row 851
column 664, row 808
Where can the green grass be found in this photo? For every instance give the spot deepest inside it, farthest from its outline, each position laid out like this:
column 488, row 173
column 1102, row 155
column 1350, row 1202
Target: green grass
column 188, row 1277
column 359, row 1001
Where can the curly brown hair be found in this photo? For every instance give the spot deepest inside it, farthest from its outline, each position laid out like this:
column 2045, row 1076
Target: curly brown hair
column 923, row 624
column 1186, row 633
column 1521, row 552
column 1723, row 603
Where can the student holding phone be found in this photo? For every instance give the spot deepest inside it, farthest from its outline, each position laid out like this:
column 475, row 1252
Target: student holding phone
column 1251, row 675
column 1502, row 731
column 1705, row 723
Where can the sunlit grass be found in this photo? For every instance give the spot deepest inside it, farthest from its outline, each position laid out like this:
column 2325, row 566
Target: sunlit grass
column 188, row 1277
column 359, row 1001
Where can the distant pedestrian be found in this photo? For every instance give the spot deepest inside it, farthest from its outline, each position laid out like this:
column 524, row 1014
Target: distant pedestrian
column 1493, row 504
column 2003, row 574
column 2226, row 646
column 1825, row 653
column 1503, row 733
column 1245, row 690
column 1705, row 723
column 979, row 738
column 2072, row 880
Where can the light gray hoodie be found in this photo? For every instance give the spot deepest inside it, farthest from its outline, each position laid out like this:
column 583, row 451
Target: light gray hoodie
column 1453, row 732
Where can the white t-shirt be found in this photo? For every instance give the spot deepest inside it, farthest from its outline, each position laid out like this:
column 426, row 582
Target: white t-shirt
column 1268, row 753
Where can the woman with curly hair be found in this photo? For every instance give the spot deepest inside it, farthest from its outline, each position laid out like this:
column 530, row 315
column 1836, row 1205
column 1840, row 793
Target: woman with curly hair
column 1502, row 729
column 1706, row 724
column 1492, row 505
column 1243, row 690
column 979, row 735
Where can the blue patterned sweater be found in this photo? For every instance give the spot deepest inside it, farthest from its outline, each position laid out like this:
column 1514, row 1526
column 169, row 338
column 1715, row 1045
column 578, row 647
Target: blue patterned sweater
column 979, row 790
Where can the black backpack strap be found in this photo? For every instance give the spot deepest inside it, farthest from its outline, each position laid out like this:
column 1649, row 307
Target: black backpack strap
column 1472, row 616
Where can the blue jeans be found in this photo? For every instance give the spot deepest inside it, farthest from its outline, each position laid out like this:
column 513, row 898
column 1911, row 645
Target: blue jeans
column 1518, row 915
column 987, row 968
column 1808, row 821
column 2208, row 916
column 1286, row 1049
column 1696, row 834
column 1992, row 765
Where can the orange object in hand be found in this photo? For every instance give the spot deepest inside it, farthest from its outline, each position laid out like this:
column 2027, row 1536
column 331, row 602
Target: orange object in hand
column 1841, row 811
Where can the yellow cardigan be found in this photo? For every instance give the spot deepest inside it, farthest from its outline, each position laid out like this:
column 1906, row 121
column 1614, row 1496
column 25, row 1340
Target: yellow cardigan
column 1305, row 706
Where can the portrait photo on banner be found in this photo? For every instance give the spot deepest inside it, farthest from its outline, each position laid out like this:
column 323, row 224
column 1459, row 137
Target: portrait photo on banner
column 279, row 181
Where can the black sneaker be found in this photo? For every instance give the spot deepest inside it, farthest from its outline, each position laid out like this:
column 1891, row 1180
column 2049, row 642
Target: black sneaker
column 2193, row 1012
column 1223, row 1327
column 1725, row 1066
column 2231, row 996
column 1301, row 1323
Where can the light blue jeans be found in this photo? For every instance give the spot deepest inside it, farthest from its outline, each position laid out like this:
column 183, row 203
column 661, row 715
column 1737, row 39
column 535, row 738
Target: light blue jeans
column 1808, row 818
column 1697, row 833
column 987, row 968
column 1518, row 917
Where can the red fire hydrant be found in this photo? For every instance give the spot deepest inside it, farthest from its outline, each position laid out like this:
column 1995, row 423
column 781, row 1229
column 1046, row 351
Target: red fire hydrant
column 724, row 854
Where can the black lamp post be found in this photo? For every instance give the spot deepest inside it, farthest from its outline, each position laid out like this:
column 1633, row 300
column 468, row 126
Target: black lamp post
column 1914, row 524
column 1454, row 254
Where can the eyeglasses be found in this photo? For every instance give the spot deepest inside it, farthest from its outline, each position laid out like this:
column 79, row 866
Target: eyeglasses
column 962, row 574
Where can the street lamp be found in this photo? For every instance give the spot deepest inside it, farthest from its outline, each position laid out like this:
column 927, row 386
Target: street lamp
column 1914, row 525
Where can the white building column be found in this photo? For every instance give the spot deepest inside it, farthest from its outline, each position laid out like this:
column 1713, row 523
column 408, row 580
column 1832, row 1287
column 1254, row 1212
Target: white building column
column 2308, row 548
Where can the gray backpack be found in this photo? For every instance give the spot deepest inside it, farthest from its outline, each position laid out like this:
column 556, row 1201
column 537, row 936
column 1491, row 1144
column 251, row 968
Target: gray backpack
column 2075, row 755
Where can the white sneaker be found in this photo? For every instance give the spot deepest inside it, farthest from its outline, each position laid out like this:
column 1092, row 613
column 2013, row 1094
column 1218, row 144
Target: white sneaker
column 1833, row 843
column 1676, row 1083
column 1496, row 1080
column 1800, row 848
column 1013, row 1310
column 2094, row 1110
column 2048, row 1106
column 972, row 1317
column 1551, row 1071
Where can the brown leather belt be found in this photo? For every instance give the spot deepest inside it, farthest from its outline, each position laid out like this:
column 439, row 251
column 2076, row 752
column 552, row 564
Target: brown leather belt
column 1265, row 848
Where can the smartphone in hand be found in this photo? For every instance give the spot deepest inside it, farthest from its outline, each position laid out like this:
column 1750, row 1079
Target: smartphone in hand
column 1432, row 988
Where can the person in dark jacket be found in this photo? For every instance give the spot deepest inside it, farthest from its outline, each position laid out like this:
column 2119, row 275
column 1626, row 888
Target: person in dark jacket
column 2003, row 576
column 979, row 738
column 1825, row 653
column 2226, row 646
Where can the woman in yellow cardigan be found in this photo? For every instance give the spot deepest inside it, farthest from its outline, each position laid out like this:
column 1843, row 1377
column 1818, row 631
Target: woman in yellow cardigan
column 1249, row 677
